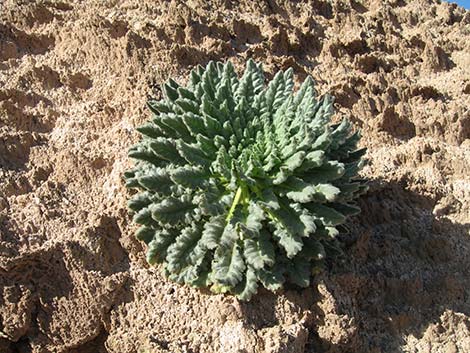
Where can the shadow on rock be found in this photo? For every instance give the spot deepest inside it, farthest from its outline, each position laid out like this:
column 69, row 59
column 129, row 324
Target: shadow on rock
column 406, row 273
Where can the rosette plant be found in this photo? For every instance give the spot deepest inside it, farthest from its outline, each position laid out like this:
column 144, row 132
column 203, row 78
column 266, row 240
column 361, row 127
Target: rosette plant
column 242, row 183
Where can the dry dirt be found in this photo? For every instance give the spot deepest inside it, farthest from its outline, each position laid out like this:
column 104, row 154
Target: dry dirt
column 74, row 76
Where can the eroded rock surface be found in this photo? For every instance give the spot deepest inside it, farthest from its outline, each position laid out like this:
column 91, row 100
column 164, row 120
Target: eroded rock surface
column 74, row 76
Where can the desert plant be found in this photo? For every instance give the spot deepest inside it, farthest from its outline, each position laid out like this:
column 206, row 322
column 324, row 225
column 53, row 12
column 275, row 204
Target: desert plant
column 242, row 183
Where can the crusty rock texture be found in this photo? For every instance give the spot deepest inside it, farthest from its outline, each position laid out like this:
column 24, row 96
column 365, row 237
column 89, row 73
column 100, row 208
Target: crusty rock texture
column 74, row 76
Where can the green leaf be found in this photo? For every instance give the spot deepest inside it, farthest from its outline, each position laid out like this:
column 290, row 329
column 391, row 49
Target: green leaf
column 194, row 123
column 318, row 193
column 158, row 107
column 312, row 249
column 191, row 177
column 295, row 161
column 308, row 221
column 323, row 141
column 155, row 179
column 312, row 160
column 176, row 123
column 144, row 153
column 275, row 92
column 157, row 250
column 328, row 172
column 206, row 145
column 228, row 265
column 256, row 216
column 186, row 94
column 213, row 116
column 287, row 218
column 144, row 217
column 345, row 209
column 299, row 272
column 165, row 149
column 329, row 216
column 248, row 287
column 290, row 242
column 210, row 202
column 269, row 200
column 139, row 201
column 173, row 210
column 151, row 130
column 207, row 81
column 213, row 230
column 193, row 154
column 340, row 134
column 356, row 155
column 187, row 105
column 273, row 278
column 145, row 234
column 170, row 92
column 182, row 252
column 259, row 252
column 288, row 168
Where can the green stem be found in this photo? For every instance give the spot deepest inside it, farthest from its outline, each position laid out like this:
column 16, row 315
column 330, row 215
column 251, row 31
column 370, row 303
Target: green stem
column 270, row 214
column 235, row 203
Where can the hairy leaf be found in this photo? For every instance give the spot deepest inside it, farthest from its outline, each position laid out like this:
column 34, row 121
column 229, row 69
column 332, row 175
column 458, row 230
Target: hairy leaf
column 242, row 182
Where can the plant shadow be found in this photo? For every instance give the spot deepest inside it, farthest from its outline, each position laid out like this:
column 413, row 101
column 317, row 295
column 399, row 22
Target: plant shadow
column 403, row 269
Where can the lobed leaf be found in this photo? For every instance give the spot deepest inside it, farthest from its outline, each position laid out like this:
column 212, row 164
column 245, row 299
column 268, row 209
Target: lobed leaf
column 242, row 182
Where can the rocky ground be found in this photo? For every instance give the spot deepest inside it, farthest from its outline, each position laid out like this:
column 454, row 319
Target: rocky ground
column 74, row 77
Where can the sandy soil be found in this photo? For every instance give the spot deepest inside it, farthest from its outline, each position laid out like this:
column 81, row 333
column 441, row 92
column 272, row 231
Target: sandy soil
column 74, row 76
